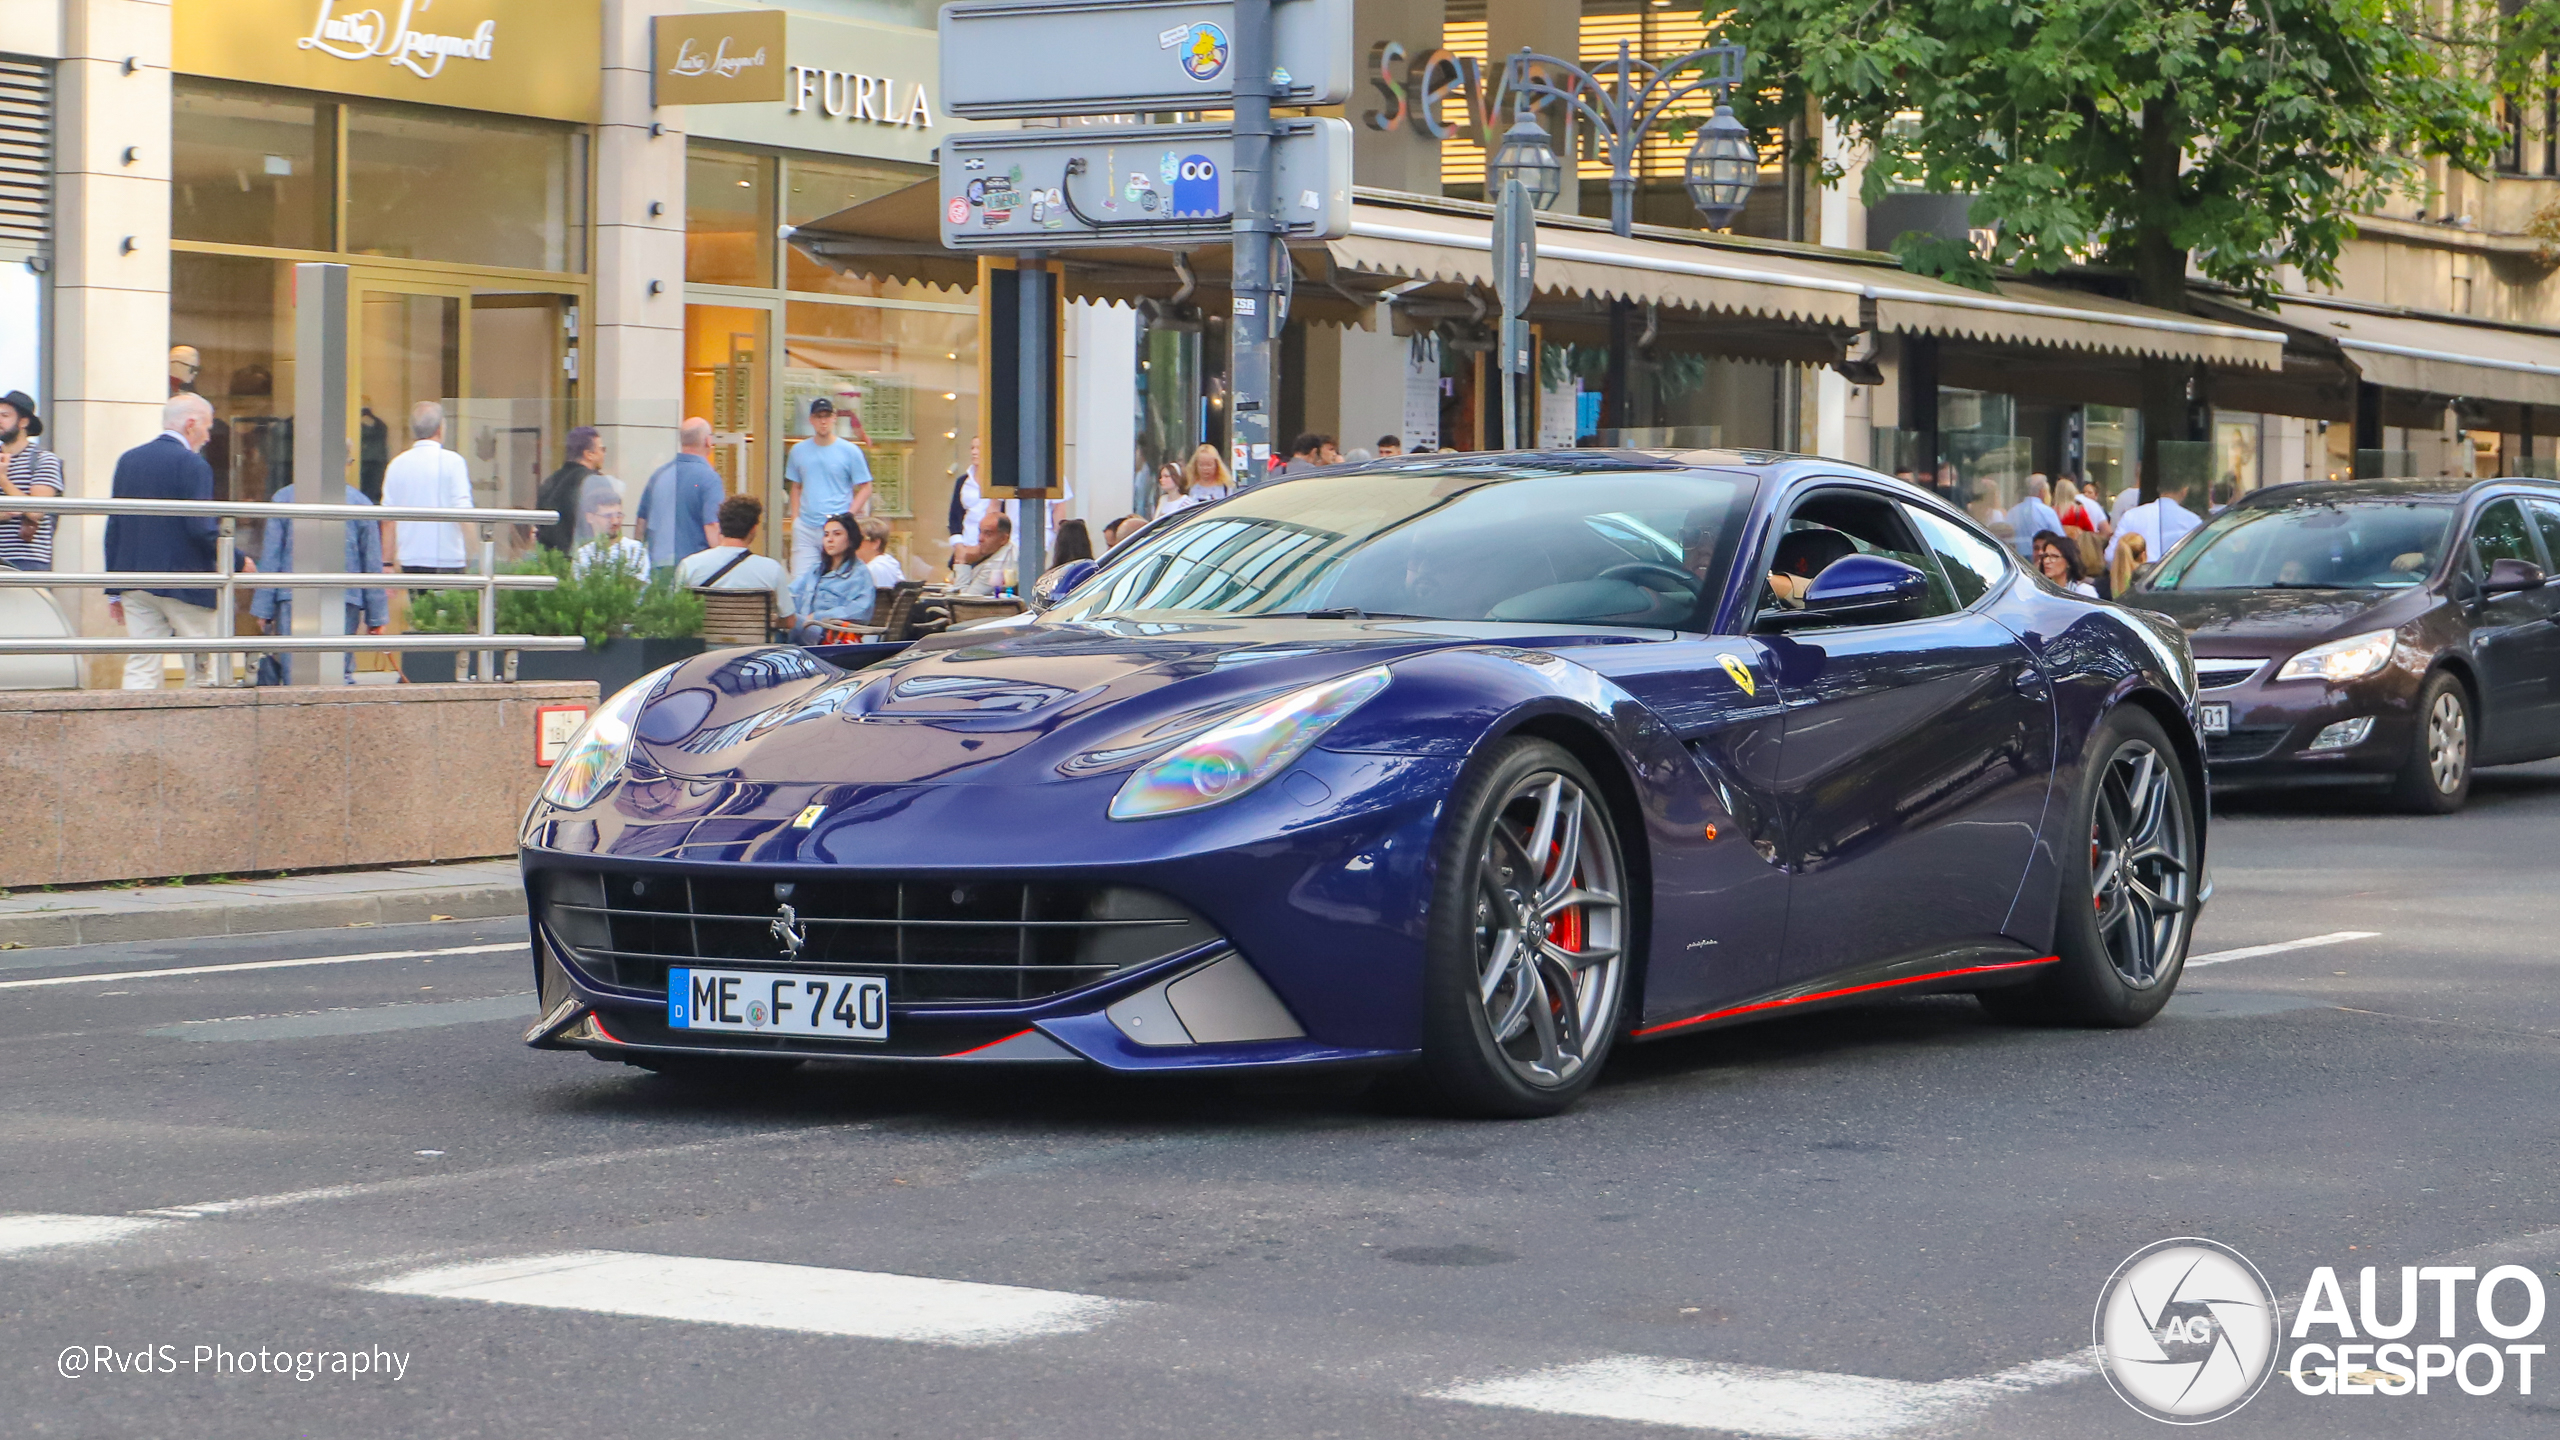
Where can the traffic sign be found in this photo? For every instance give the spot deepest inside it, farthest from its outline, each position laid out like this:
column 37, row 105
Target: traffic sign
column 1163, row 185
column 1005, row 59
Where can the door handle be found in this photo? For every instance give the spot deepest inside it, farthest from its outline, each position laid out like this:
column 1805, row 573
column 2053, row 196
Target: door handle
column 2031, row 683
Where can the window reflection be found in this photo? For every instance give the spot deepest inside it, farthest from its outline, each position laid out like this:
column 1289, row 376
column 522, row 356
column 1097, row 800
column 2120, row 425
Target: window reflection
column 249, row 167
column 472, row 189
column 728, row 225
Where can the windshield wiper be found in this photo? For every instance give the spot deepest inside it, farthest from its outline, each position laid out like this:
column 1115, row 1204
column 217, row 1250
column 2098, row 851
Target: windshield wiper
column 1342, row 612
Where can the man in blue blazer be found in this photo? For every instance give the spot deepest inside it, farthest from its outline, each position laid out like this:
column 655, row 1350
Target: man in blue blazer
column 166, row 467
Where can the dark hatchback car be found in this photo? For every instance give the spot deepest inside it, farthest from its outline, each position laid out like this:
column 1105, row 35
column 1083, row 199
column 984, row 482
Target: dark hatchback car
column 2389, row 633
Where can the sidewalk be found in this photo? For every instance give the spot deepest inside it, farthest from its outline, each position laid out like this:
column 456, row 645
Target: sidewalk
column 409, row 894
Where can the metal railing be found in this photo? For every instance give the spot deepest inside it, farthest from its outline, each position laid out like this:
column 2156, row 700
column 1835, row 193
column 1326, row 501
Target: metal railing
column 226, row 575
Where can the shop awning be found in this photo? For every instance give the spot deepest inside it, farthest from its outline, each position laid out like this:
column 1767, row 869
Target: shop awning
column 2404, row 350
column 1403, row 244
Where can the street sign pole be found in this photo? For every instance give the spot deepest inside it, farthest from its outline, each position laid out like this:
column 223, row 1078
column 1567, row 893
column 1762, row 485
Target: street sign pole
column 1250, row 328
column 1515, row 254
column 319, row 461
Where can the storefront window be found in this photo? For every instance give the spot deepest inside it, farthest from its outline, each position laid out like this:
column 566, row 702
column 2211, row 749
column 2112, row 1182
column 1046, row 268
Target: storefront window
column 816, row 189
column 250, row 167
column 724, row 347
column 470, row 189
column 911, row 378
column 237, row 313
column 728, row 224
column 2235, row 470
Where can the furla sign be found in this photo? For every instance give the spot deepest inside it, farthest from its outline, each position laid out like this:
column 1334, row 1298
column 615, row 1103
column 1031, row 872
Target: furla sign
column 841, row 87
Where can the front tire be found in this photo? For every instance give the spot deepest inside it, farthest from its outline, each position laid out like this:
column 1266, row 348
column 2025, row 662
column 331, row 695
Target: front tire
column 1525, row 970
column 2127, row 910
column 2436, row 779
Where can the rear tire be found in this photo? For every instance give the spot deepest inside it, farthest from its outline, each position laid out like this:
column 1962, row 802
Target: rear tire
column 2436, row 779
column 2127, row 907
column 1525, row 965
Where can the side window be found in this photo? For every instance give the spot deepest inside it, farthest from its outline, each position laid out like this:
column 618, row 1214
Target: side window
column 1829, row 525
column 1973, row 564
column 2499, row 534
column 2546, row 518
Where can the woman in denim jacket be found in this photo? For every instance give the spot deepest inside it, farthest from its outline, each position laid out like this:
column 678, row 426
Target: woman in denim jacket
column 834, row 593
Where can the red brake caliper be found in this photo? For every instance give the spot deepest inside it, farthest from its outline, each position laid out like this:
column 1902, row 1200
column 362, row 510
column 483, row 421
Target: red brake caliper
column 1564, row 928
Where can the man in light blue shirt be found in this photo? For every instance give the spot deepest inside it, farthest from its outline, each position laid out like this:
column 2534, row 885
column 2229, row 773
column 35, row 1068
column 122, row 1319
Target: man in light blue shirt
column 680, row 509
column 368, row 609
column 825, row 477
column 2033, row 516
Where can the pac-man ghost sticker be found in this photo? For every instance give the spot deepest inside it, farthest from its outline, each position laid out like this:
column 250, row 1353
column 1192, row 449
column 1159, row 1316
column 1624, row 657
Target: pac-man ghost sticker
column 1195, row 187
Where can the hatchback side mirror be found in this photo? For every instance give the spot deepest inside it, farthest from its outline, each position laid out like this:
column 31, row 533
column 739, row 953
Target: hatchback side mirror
column 2509, row 575
column 1054, row 584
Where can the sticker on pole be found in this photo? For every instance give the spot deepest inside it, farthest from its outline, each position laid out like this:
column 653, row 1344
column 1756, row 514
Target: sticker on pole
column 958, row 210
column 1204, row 52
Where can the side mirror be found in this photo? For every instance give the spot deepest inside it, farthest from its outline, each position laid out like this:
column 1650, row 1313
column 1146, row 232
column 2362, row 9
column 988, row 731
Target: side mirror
column 1857, row 589
column 2507, row 576
column 1053, row 585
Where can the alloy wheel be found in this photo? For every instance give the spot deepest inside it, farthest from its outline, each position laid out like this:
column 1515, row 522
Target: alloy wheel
column 2140, row 873
column 1549, row 929
column 2448, row 741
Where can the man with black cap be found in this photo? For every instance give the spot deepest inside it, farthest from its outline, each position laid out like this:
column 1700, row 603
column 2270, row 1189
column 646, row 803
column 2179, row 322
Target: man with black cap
column 824, row 477
column 26, row 541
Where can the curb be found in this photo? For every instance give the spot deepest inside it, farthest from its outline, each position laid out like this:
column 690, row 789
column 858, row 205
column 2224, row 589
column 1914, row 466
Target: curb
column 41, row 930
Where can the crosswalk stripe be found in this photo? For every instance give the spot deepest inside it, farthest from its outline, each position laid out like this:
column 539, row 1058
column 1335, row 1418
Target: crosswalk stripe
column 766, row 1295
column 1754, row 1400
column 2252, row 952
column 19, row 1233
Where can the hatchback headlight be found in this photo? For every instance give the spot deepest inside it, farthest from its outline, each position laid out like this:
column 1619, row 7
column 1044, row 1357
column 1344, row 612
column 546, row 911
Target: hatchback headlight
column 1222, row 763
column 596, row 754
column 2350, row 659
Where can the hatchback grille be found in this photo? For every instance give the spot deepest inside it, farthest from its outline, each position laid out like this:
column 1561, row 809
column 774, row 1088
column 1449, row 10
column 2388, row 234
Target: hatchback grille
column 948, row 941
column 2213, row 674
column 2247, row 742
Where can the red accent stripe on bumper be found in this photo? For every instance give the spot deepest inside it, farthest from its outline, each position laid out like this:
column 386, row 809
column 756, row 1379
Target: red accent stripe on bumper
column 1836, row 994
column 990, row 1045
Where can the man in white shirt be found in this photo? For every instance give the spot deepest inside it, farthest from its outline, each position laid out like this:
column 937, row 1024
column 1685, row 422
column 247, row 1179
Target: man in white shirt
column 2032, row 516
column 600, row 516
column 425, row 476
column 2161, row 523
column 733, row 564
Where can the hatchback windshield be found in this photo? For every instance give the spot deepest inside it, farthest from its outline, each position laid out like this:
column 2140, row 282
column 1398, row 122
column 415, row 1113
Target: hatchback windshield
column 1618, row 546
column 2311, row 545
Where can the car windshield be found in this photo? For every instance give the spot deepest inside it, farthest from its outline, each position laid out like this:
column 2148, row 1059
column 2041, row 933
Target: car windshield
column 1551, row 544
column 2311, row 545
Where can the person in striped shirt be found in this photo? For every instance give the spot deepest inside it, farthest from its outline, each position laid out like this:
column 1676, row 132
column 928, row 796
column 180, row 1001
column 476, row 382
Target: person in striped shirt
column 26, row 541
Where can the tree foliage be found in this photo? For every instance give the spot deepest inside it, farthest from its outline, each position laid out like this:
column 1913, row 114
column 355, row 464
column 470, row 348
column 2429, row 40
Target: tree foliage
column 2246, row 134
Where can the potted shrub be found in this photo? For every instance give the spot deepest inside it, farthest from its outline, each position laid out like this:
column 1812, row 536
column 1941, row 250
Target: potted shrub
column 632, row 624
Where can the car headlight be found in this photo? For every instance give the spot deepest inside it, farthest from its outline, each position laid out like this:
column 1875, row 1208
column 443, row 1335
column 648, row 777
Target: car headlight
column 596, row 753
column 2350, row 659
column 1220, row 764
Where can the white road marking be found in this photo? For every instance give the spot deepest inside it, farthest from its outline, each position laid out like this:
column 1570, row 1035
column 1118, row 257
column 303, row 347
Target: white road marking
column 2252, row 952
column 261, row 965
column 765, row 1295
column 19, row 1233
column 208, row 1209
column 1753, row 1400
column 368, row 1020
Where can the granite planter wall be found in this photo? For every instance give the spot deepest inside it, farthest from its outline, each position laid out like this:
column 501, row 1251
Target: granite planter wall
column 141, row 784
column 611, row 666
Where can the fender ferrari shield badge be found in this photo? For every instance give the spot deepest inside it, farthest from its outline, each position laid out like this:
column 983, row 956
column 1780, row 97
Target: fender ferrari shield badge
column 1740, row 672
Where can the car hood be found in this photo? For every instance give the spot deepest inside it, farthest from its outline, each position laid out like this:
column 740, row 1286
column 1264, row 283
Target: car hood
column 2262, row 617
column 1016, row 703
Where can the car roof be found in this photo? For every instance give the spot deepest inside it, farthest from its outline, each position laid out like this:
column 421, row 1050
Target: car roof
column 2440, row 489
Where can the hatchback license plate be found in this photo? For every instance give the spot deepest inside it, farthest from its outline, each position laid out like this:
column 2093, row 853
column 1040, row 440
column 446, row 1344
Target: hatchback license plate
column 759, row 1002
column 2214, row 718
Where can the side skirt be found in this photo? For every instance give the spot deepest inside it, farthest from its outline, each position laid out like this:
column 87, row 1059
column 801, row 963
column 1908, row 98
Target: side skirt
column 1973, row 969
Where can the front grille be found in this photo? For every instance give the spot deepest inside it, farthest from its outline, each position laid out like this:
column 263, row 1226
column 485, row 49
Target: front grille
column 2213, row 674
column 2247, row 742
column 948, row 941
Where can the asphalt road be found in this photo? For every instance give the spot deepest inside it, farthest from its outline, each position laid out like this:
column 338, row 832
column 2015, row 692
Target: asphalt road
column 1893, row 1220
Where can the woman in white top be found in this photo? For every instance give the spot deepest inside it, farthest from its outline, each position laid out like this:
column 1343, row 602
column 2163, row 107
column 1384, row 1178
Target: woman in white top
column 2056, row 563
column 1173, row 489
column 1208, row 476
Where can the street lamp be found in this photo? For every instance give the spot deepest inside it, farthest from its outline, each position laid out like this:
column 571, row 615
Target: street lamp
column 1526, row 157
column 1622, row 100
column 1722, row 167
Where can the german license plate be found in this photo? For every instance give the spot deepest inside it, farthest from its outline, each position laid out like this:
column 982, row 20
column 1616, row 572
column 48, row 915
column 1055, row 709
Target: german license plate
column 764, row 1002
column 2214, row 717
